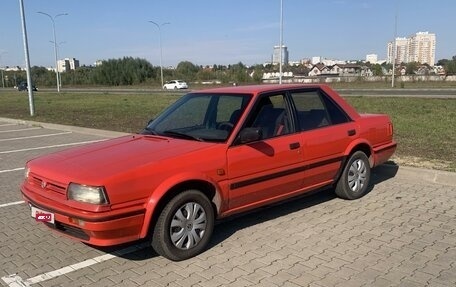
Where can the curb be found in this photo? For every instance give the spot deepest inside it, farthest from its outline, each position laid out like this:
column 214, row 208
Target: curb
column 429, row 175
column 88, row 131
column 404, row 172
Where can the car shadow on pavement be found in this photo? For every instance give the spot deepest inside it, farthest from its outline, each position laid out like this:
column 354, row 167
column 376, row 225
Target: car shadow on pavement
column 229, row 226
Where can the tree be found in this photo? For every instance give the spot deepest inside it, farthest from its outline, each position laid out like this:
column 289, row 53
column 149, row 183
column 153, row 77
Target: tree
column 411, row 68
column 187, row 70
column 125, row 71
column 377, row 70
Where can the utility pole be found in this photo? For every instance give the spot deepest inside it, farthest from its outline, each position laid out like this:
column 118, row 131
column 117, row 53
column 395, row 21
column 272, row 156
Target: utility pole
column 281, row 42
column 55, row 45
column 161, row 51
column 394, row 48
column 27, row 60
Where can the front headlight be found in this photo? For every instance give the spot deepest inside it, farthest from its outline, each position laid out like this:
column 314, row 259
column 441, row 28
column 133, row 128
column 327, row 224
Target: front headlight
column 87, row 194
column 26, row 172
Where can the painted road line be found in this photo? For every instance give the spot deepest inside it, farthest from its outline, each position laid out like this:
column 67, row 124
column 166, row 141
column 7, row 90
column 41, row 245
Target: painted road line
column 11, row 170
column 7, row 125
column 20, row 130
column 14, row 280
column 11, row 203
column 37, row 136
column 49, row 146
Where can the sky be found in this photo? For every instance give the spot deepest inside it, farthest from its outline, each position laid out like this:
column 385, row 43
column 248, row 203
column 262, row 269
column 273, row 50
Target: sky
column 207, row 32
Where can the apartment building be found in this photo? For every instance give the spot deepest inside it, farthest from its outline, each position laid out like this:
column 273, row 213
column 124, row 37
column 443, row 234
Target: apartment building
column 422, row 48
column 419, row 47
column 67, row 64
column 276, row 55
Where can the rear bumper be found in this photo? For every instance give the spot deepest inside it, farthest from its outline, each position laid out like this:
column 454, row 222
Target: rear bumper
column 384, row 152
column 100, row 229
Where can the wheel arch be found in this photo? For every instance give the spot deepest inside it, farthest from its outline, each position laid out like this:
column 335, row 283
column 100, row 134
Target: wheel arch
column 160, row 197
column 360, row 145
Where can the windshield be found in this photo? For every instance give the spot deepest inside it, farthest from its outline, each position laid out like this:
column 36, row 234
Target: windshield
column 202, row 117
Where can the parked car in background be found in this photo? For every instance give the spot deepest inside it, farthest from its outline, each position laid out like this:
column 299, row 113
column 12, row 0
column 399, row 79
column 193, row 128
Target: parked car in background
column 175, row 84
column 23, row 87
column 211, row 154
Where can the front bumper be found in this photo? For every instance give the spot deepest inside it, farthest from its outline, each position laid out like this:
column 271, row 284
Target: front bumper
column 96, row 228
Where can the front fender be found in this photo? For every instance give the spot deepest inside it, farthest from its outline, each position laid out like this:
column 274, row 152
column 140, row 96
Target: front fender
column 159, row 192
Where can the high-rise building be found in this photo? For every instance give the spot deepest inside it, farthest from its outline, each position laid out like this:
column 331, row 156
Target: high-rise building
column 422, row 48
column 401, row 51
column 67, row 64
column 419, row 47
column 276, row 55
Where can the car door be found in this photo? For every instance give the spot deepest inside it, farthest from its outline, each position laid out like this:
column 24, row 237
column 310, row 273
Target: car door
column 326, row 132
column 268, row 168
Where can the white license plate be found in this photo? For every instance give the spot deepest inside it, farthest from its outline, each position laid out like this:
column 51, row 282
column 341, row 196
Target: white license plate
column 42, row 215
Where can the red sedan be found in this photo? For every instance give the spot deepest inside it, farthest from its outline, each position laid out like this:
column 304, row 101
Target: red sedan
column 211, row 154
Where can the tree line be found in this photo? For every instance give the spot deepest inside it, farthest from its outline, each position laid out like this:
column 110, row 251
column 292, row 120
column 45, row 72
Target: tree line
column 135, row 71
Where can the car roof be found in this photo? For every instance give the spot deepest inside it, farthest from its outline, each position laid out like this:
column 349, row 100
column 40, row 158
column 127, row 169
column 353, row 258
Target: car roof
column 256, row 89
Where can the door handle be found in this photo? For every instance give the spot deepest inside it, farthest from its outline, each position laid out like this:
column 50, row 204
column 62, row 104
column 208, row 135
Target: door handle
column 351, row 132
column 294, row 145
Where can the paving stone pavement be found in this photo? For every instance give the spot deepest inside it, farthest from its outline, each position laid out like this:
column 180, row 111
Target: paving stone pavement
column 402, row 233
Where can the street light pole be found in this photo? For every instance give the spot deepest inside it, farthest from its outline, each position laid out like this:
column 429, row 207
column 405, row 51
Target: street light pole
column 58, row 56
column 27, row 60
column 394, row 52
column 3, row 78
column 55, row 45
column 161, row 51
column 281, row 42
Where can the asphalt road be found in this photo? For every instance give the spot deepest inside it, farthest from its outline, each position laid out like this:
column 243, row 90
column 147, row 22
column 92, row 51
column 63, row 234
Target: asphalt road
column 402, row 233
column 424, row 93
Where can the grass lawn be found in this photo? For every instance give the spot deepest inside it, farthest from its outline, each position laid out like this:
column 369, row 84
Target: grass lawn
column 425, row 129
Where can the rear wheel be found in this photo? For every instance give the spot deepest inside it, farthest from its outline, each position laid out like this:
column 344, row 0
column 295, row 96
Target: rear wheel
column 354, row 181
column 184, row 227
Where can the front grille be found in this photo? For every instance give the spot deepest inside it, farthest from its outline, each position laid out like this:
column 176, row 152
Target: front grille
column 48, row 185
column 69, row 230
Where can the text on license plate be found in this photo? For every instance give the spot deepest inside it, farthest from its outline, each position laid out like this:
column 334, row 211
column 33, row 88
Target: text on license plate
column 41, row 215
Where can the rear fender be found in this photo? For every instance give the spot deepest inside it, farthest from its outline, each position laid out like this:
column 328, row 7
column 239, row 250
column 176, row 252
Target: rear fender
column 360, row 144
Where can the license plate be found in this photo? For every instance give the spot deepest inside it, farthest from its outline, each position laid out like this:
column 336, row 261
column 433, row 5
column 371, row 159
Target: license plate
column 42, row 215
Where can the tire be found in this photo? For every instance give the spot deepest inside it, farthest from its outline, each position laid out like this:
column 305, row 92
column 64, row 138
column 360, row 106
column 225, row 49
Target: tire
column 175, row 87
column 179, row 233
column 354, row 181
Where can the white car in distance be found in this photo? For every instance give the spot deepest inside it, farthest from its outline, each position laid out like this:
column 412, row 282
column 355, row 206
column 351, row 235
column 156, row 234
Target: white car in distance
column 175, row 84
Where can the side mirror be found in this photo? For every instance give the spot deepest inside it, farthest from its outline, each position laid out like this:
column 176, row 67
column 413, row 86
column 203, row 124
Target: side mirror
column 250, row 135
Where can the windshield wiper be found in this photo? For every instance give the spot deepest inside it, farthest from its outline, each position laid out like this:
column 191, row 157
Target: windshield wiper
column 148, row 131
column 182, row 135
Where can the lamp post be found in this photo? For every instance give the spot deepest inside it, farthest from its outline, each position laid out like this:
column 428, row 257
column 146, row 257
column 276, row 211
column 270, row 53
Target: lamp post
column 161, row 51
column 281, row 42
column 394, row 52
column 3, row 78
column 27, row 59
column 58, row 56
column 55, row 44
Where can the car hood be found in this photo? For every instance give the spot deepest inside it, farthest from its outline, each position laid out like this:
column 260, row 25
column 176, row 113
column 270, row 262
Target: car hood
column 91, row 164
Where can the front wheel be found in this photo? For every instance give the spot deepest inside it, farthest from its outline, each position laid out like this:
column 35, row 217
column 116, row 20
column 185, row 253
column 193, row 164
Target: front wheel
column 184, row 227
column 354, row 181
